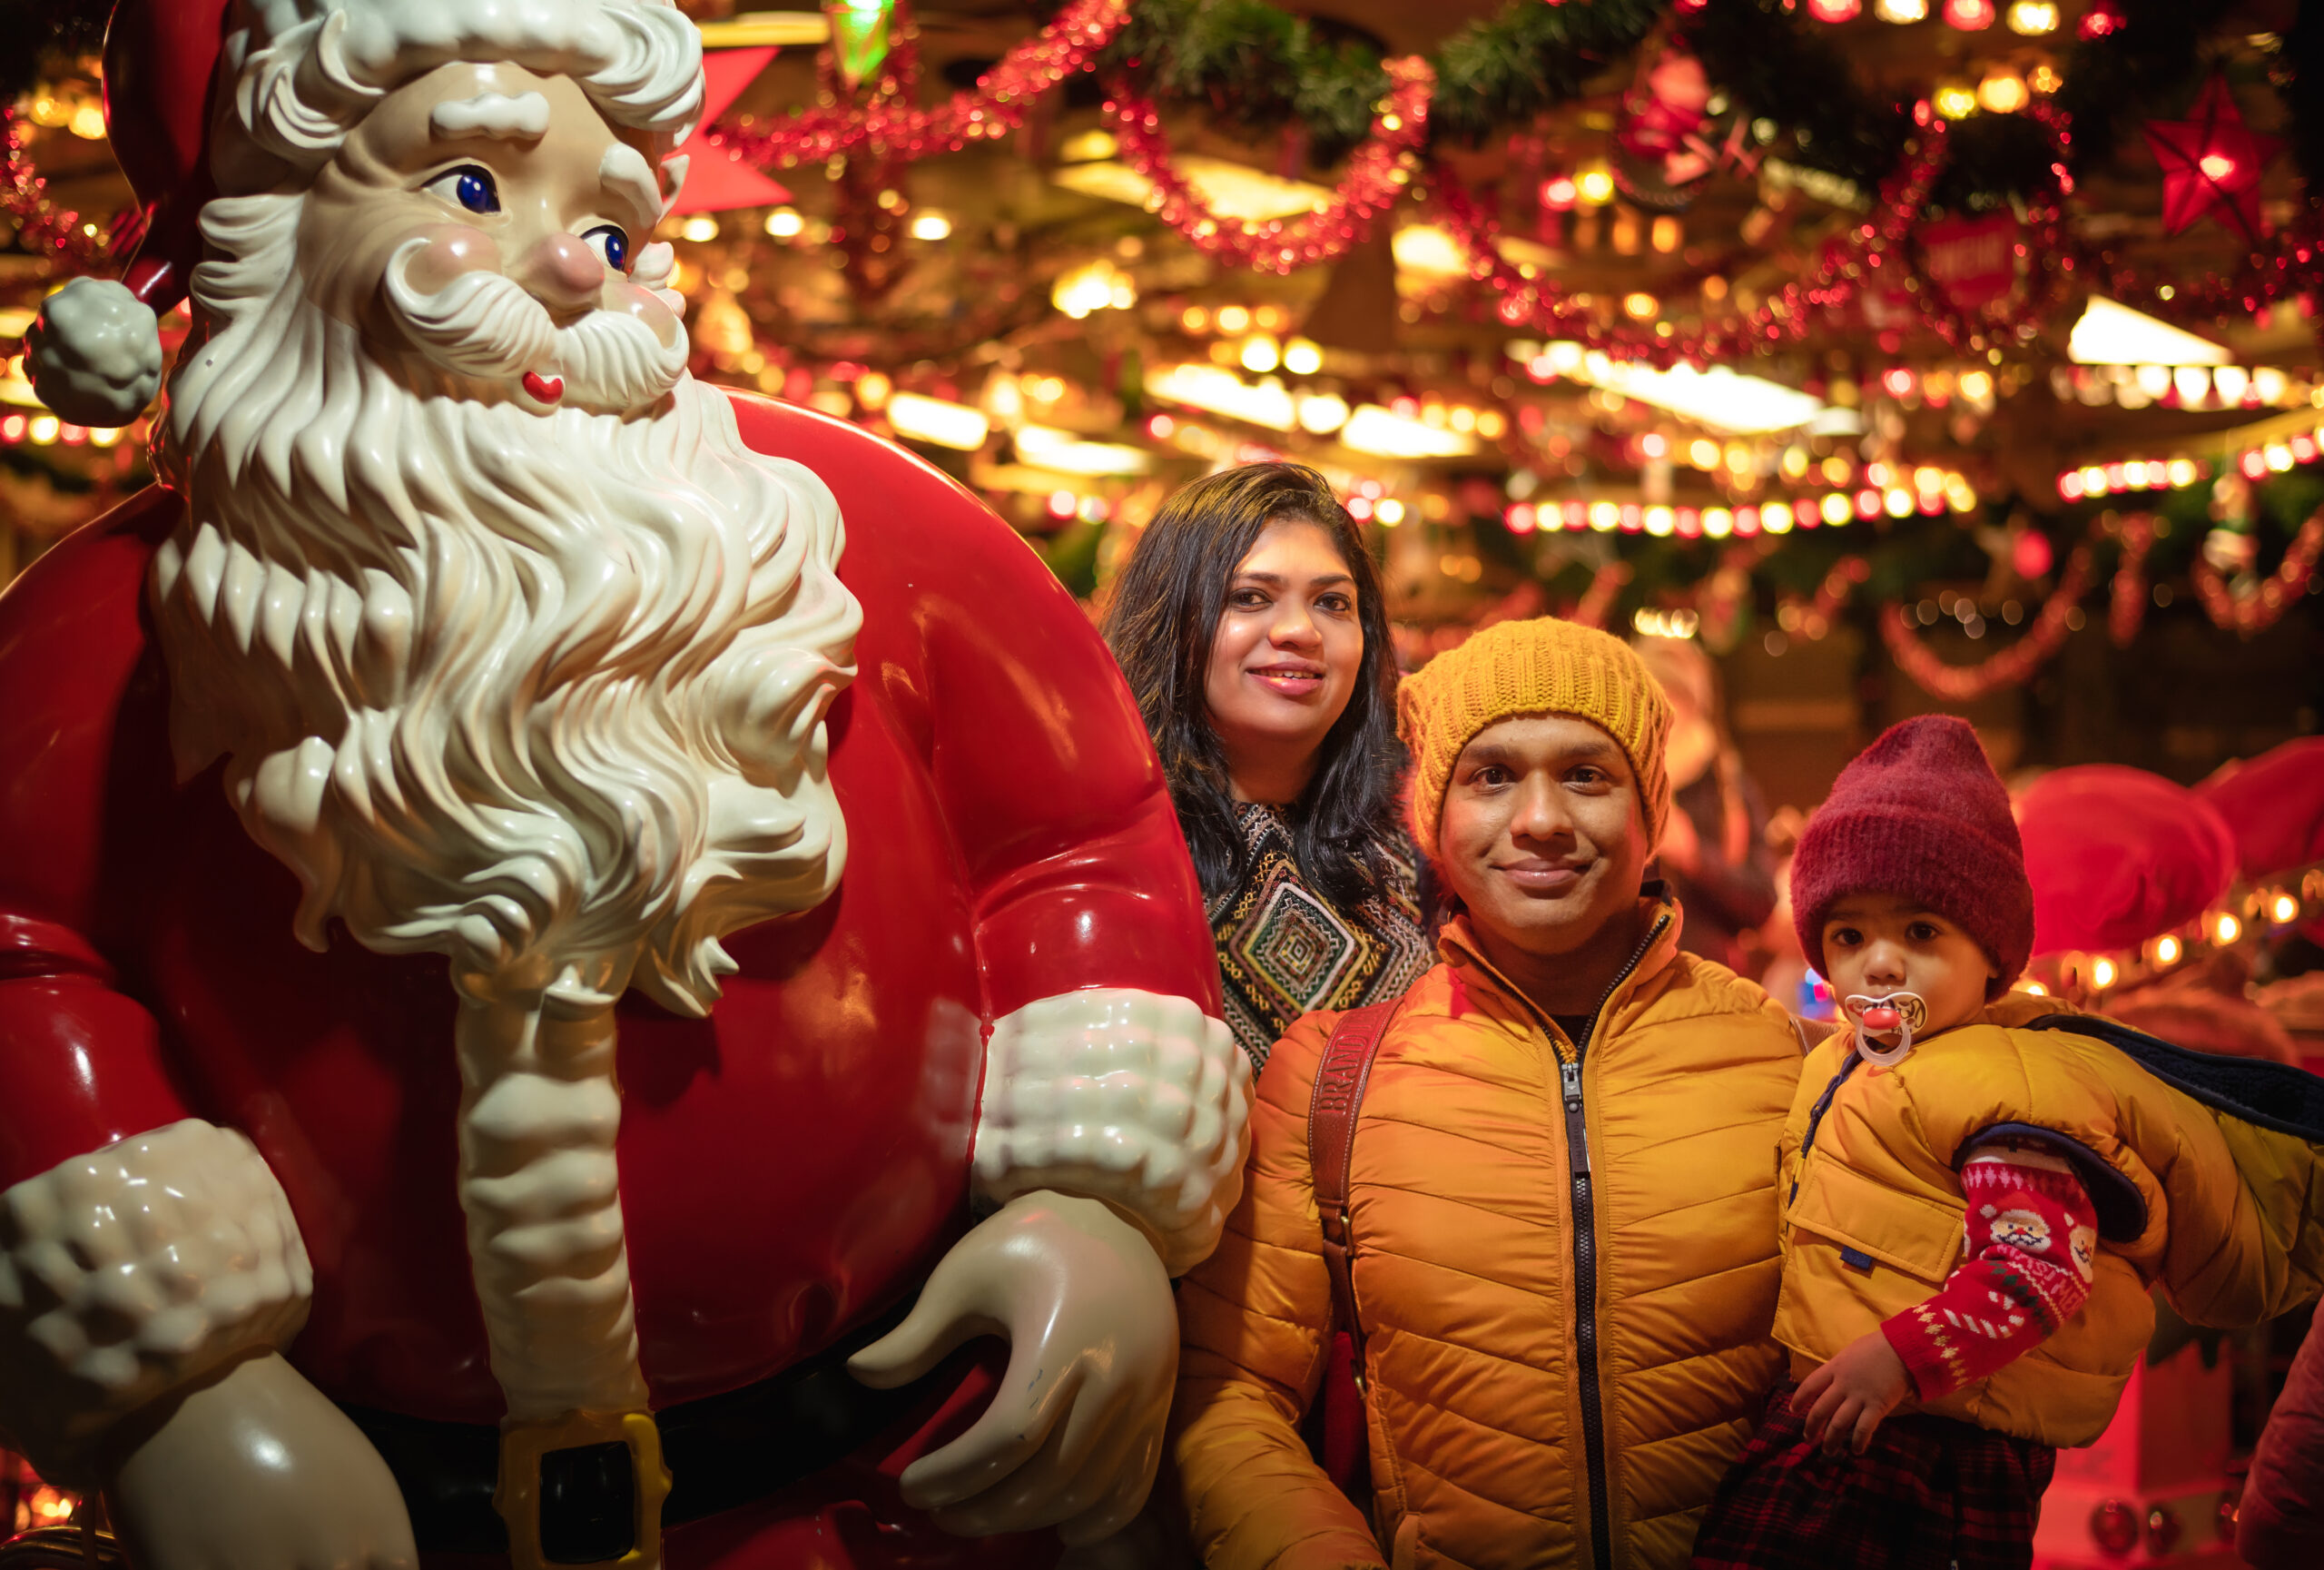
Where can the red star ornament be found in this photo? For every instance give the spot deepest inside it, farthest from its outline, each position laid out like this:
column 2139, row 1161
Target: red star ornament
column 2211, row 160
column 714, row 180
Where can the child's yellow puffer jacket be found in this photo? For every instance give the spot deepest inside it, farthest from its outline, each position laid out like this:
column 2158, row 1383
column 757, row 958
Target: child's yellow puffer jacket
column 2225, row 1214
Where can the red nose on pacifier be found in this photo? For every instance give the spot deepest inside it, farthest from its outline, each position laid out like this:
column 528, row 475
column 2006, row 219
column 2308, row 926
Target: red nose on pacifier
column 1882, row 1018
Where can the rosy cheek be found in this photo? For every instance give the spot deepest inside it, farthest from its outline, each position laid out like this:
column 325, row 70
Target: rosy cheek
column 631, row 299
column 452, row 251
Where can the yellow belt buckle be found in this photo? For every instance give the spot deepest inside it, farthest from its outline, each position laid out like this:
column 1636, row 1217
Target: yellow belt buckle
column 518, row 1496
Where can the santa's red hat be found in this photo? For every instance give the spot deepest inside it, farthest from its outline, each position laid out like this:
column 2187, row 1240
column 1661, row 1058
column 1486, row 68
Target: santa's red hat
column 2118, row 855
column 95, row 353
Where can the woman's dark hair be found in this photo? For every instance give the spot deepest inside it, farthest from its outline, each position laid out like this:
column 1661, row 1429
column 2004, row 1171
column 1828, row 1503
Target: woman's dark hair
column 1161, row 624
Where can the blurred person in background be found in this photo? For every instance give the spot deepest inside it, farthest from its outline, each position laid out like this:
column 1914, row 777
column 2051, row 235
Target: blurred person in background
column 1714, row 853
column 1251, row 626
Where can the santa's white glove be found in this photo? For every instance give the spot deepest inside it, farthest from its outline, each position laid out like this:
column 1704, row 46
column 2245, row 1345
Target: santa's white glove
column 256, row 1470
column 1131, row 1097
column 1074, row 1434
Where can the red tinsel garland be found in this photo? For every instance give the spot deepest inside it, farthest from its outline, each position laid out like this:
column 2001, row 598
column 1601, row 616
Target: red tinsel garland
column 994, row 107
column 2288, row 265
column 2246, row 615
column 1964, row 684
column 1378, row 174
column 43, row 225
column 1543, row 304
column 2048, row 257
column 2127, row 611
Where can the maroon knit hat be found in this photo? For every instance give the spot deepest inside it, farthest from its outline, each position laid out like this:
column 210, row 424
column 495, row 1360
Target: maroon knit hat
column 1920, row 813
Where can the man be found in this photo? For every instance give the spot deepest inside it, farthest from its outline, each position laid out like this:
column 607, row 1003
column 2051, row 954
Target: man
column 472, row 642
column 1561, row 1209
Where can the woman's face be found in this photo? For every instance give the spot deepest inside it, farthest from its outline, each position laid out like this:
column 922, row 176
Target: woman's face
column 1283, row 658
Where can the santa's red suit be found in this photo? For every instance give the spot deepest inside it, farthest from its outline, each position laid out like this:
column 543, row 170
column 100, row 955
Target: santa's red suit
column 790, row 1167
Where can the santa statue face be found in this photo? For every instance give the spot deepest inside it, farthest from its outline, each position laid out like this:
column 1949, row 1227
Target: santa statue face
column 514, row 651
column 491, row 219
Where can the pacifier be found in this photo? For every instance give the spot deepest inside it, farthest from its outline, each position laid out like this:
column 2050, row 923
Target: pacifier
column 1902, row 1012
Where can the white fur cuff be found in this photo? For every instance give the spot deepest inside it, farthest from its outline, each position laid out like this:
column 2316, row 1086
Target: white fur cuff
column 129, row 1270
column 1119, row 1095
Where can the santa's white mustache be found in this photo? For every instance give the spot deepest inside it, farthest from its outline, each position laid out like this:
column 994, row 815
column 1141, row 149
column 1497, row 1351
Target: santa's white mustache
column 485, row 325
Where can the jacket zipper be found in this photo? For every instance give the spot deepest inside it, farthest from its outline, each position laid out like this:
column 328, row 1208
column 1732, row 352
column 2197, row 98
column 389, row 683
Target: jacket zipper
column 1816, row 1121
column 1585, row 1267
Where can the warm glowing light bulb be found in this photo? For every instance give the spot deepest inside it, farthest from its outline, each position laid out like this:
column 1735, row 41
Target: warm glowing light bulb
column 2167, row 950
column 2037, row 989
column 1955, row 100
column 2002, row 92
column 784, row 222
column 2226, row 930
column 1596, row 186
column 2033, row 18
column 2217, row 165
column 1302, row 357
column 1232, row 318
column 2101, row 972
column 1834, row 10
column 1260, row 352
column 2284, row 909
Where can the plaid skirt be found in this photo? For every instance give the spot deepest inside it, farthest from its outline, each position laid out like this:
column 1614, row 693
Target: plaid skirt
column 1930, row 1494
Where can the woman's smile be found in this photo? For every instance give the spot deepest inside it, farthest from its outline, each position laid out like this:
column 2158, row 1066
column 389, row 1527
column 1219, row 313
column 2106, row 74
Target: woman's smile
column 1291, row 678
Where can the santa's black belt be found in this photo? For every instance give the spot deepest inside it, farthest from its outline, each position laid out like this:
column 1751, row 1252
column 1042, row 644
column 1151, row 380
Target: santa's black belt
column 722, row 1451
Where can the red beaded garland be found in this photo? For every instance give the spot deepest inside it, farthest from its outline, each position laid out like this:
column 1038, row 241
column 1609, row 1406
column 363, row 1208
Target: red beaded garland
column 1377, row 174
column 993, row 108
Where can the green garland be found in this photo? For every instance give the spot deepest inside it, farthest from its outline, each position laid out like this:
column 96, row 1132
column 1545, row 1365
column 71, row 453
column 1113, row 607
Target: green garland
column 1260, row 70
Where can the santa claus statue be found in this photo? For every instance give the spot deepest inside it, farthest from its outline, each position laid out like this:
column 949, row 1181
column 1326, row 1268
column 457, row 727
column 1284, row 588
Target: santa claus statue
column 566, row 937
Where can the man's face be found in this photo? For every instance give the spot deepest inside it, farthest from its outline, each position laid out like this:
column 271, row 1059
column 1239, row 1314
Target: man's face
column 1542, row 835
column 491, row 169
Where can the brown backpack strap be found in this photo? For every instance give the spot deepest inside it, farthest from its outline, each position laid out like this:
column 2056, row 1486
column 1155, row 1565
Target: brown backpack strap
column 1340, row 1080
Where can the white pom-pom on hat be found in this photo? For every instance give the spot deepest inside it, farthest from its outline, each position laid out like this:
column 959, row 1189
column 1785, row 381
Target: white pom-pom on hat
column 95, row 353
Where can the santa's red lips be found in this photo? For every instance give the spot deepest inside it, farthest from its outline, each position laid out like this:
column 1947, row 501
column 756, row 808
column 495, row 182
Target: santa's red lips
column 548, row 389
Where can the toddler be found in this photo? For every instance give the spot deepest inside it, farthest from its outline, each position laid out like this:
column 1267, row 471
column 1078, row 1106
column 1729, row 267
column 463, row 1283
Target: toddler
column 1976, row 1195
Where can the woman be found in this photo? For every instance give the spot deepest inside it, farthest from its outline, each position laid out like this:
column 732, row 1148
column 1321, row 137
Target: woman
column 1251, row 626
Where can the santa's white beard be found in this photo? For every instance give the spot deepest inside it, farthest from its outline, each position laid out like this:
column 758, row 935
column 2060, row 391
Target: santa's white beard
column 543, row 692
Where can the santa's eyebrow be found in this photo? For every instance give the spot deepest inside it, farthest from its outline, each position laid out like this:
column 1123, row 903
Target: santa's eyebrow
column 625, row 171
column 521, row 118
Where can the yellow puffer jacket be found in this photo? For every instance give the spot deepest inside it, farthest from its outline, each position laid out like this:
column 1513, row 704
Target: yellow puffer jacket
column 2224, row 1218
column 1464, row 1236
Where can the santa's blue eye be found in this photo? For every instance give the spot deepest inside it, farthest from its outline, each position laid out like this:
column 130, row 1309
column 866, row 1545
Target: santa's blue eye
column 470, row 186
column 612, row 245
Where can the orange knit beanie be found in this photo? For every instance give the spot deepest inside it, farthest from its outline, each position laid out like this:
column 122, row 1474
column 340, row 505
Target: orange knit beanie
column 1523, row 667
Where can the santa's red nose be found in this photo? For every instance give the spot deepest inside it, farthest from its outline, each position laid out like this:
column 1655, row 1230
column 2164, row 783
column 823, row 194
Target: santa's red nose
column 562, row 273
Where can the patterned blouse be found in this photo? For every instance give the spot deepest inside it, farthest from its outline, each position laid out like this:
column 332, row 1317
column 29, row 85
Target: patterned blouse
column 1284, row 950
